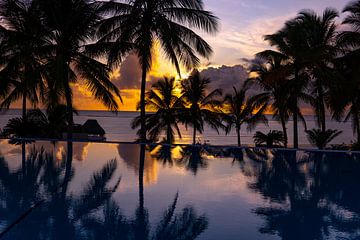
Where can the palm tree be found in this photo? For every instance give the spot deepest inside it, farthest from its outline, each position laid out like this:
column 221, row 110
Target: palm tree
column 273, row 138
column 321, row 40
column 22, row 51
column 346, row 99
column 33, row 125
column 139, row 24
column 292, row 45
column 241, row 110
column 350, row 38
column 272, row 75
column 167, row 105
column 38, row 124
column 321, row 139
column 202, row 107
column 75, row 60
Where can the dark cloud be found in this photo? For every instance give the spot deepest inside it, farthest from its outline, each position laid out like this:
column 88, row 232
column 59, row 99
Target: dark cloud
column 130, row 74
column 225, row 77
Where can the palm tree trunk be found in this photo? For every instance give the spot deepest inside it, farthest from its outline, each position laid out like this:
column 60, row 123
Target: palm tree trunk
column 70, row 116
column 238, row 136
column 142, row 106
column 24, row 105
column 296, row 137
column 168, row 135
column 295, row 112
column 322, row 110
column 23, row 145
column 194, row 135
column 283, row 124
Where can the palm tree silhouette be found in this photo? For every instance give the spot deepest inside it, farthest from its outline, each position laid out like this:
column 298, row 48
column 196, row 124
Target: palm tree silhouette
column 271, row 139
column 73, row 57
column 24, row 38
column 142, row 23
column 292, row 45
column 347, row 97
column 320, row 34
column 241, row 110
column 202, row 107
column 273, row 72
column 167, row 105
column 321, row 139
column 350, row 38
column 38, row 124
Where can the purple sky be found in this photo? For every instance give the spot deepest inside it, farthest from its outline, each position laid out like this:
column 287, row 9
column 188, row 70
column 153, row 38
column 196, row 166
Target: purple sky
column 245, row 22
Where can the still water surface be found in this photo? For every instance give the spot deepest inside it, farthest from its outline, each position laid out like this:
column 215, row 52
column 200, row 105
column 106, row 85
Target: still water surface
column 128, row 191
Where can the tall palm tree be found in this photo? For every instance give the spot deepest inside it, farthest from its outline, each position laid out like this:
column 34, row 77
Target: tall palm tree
column 272, row 75
column 142, row 23
column 75, row 60
column 241, row 110
column 291, row 43
column 346, row 99
column 22, row 52
column 167, row 105
column 203, row 107
column 320, row 35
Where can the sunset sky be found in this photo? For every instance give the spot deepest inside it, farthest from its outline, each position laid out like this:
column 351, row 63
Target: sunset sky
column 243, row 25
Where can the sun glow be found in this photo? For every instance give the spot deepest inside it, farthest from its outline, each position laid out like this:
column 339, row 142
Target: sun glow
column 161, row 67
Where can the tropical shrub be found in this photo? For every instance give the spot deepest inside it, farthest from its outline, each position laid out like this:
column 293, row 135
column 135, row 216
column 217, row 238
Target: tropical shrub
column 274, row 138
column 321, row 139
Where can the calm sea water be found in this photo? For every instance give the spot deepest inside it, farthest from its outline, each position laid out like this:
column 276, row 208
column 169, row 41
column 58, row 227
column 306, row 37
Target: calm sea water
column 121, row 191
column 118, row 128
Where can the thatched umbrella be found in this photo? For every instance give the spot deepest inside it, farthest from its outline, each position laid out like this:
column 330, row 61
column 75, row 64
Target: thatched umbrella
column 92, row 126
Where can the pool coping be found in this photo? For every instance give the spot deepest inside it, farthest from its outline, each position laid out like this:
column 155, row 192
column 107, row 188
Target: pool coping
column 183, row 145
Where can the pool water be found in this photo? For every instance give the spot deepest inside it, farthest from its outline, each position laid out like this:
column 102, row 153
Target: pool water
column 128, row 191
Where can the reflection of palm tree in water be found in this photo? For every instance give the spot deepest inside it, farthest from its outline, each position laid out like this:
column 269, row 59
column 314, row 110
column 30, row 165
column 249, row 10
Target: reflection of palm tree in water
column 41, row 181
column 130, row 156
column 193, row 158
column 186, row 225
column 310, row 204
column 69, row 216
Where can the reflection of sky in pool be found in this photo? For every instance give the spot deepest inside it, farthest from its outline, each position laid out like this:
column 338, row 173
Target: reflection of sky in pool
column 111, row 191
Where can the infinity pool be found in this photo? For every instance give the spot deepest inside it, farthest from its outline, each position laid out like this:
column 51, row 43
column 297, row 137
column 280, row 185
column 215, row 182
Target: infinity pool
column 128, row 191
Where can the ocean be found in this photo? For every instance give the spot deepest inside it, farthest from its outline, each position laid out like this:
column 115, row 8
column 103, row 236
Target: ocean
column 118, row 128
